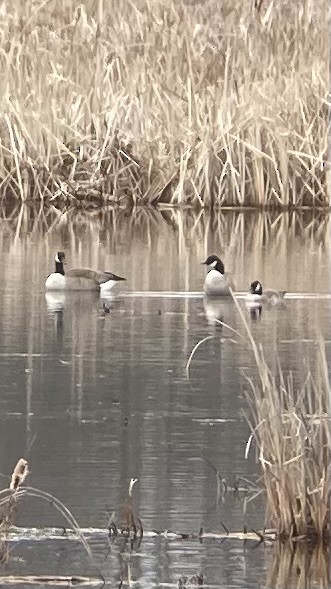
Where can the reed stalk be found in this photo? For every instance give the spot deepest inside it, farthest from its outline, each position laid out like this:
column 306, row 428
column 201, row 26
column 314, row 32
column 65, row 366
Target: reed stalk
column 290, row 429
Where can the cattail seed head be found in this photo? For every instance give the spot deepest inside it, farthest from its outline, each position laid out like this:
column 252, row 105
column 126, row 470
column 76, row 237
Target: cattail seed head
column 19, row 475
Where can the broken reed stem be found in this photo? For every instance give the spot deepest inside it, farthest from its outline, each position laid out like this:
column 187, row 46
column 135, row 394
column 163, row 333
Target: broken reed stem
column 205, row 339
column 188, row 364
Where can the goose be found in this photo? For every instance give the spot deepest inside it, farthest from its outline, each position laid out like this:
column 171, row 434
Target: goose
column 79, row 278
column 256, row 296
column 217, row 282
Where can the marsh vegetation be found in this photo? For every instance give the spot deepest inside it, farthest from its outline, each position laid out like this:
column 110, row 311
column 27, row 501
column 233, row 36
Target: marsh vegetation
column 291, row 431
column 181, row 102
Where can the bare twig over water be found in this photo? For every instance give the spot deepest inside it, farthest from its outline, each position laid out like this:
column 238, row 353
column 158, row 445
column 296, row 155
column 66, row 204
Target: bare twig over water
column 187, row 367
column 218, row 321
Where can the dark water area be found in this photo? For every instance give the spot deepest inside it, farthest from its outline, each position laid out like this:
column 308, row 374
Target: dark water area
column 92, row 400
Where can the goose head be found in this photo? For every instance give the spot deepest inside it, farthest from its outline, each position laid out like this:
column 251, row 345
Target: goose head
column 213, row 262
column 256, row 288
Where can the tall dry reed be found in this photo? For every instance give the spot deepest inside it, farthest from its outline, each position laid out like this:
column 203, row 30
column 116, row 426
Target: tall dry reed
column 179, row 101
column 290, row 429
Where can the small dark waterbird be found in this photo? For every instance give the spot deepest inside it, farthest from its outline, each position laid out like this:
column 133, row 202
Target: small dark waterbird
column 257, row 296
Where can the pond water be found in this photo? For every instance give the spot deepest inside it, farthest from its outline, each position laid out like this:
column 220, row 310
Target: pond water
column 92, row 400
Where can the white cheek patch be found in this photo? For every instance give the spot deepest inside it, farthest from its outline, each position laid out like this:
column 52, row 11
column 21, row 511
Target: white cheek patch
column 258, row 286
column 57, row 258
column 213, row 264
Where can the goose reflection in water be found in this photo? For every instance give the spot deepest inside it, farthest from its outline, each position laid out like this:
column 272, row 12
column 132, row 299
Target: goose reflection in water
column 217, row 309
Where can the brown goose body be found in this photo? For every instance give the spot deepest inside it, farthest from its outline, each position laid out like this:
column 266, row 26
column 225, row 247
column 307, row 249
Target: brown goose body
column 79, row 278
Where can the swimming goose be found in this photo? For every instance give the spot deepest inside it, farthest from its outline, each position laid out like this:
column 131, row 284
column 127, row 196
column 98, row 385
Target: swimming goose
column 257, row 296
column 217, row 282
column 79, row 278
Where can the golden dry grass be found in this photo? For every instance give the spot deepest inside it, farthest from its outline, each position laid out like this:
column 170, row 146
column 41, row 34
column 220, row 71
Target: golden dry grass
column 180, row 101
column 291, row 431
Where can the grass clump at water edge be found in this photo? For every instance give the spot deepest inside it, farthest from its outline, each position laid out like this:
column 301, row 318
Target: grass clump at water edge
column 291, row 431
column 173, row 101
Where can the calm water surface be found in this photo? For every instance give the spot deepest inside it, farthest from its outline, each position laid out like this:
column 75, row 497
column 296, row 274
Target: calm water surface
column 94, row 400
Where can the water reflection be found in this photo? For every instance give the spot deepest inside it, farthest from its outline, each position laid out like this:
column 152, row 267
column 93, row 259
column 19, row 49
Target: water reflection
column 285, row 251
column 217, row 309
column 99, row 397
column 255, row 312
column 299, row 568
column 160, row 562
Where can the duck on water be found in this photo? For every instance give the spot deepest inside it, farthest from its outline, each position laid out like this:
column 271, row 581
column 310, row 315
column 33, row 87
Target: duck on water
column 258, row 296
column 79, row 278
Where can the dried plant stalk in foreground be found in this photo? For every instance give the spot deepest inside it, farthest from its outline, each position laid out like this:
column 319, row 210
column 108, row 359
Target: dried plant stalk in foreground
column 291, row 431
column 8, row 506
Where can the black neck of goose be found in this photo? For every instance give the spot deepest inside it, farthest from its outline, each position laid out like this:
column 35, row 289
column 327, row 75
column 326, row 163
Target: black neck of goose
column 220, row 267
column 59, row 267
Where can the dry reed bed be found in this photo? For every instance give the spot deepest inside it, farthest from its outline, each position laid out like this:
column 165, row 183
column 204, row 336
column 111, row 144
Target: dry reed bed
column 292, row 435
column 181, row 102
